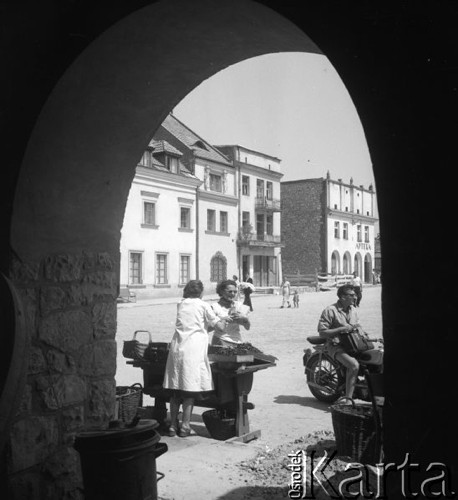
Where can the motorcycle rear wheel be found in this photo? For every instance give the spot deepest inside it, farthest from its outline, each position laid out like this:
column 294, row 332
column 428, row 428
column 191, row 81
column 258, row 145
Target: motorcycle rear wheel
column 326, row 374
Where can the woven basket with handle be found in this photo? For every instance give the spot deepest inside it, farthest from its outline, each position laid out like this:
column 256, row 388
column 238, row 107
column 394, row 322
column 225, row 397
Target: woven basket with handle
column 134, row 349
column 355, row 431
column 128, row 400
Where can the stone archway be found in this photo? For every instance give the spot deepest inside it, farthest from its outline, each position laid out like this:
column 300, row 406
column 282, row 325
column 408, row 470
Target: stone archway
column 70, row 199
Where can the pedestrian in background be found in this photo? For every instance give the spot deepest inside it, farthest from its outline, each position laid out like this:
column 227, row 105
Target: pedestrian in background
column 285, row 291
column 358, row 288
column 296, row 298
column 235, row 279
column 247, row 291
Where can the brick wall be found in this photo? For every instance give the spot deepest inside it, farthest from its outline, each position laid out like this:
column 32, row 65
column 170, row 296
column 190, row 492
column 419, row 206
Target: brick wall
column 302, row 226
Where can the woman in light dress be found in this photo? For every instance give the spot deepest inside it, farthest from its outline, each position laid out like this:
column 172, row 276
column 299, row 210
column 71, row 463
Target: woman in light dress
column 187, row 372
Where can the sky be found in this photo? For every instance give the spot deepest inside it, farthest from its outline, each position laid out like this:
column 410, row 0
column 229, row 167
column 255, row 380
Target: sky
column 293, row 106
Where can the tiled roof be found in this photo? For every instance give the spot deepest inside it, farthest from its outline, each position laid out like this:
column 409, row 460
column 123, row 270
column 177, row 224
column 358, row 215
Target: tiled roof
column 164, row 147
column 193, row 142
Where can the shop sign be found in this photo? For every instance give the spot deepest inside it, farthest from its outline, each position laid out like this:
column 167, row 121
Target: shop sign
column 363, row 246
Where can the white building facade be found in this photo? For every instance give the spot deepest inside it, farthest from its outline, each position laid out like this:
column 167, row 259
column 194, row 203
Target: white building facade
column 158, row 237
column 350, row 228
column 259, row 237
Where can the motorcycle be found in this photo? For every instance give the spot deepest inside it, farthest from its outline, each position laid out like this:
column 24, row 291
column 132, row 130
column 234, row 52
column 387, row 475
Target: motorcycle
column 326, row 376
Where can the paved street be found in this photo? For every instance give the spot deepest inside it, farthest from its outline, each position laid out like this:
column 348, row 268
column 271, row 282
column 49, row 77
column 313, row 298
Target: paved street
column 284, row 407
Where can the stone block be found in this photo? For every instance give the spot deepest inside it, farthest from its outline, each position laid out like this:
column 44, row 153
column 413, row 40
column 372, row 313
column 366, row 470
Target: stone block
column 67, row 330
column 37, row 361
column 60, row 362
column 57, row 391
column 26, row 401
column 73, row 418
column 24, row 486
column 101, row 403
column 63, row 267
column 63, row 469
column 28, row 305
column 102, row 260
column 24, row 272
column 98, row 359
column 32, row 439
column 104, row 320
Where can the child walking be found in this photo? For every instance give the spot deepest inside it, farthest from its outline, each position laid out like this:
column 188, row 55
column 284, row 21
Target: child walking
column 296, row 298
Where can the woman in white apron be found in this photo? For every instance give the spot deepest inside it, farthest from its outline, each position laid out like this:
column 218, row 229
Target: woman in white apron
column 187, row 372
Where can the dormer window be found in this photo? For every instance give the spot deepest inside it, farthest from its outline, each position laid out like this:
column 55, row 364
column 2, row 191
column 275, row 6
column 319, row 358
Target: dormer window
column 200, row 145
column 145, row 160
column 171, row 163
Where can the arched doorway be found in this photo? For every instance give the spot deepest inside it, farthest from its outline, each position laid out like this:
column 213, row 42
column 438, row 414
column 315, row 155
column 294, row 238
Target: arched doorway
column 335, row 262
column 368, row 268
column 347, row 263
column 358, row 265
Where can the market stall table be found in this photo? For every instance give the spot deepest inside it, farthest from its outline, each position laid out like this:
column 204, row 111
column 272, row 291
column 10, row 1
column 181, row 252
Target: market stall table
column 232, row 378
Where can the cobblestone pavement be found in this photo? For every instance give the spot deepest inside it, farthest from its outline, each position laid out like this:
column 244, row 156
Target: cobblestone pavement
column 284, row 408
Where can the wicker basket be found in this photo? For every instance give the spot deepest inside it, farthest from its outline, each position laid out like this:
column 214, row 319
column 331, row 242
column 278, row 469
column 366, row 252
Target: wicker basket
column 128, row 400
column 218, row 425
column 356, row 432
column 133, row 349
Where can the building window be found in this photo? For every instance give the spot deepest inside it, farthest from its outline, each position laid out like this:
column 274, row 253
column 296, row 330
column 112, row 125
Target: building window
column 172, row 164
column 223, row 222
column 345, row 231
column 146, row 159
column 215, row 183
column 135, row 268
column 259, row 188
column 185, row 261
column 336, row 229
column 269, row 190
column 211, row 220
column 358, row 233
column 269, row 224
column 245, row 185
column 260, row 227
column 149, row 213
column 185, row 218
column 218, row 268
column 245, row 219
column 161, row 269
column 366, row 234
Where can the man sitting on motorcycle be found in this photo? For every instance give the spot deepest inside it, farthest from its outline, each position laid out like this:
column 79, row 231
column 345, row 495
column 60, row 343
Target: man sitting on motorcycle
column 338, row 318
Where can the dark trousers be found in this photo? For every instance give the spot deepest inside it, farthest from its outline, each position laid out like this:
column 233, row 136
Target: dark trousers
column 247, row 301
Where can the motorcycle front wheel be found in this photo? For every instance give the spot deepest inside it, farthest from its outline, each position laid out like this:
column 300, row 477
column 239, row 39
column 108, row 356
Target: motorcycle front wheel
column 324, row 378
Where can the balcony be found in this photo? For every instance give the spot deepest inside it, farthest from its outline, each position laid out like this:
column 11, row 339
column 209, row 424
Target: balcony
column 259, row 240
column 267, row 205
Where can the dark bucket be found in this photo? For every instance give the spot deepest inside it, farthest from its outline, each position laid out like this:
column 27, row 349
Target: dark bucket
column 120, row 464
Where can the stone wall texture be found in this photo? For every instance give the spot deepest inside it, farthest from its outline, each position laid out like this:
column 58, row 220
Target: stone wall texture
column 70, row 314
column 303, row 226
